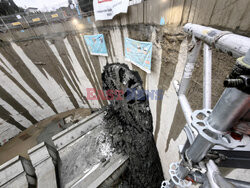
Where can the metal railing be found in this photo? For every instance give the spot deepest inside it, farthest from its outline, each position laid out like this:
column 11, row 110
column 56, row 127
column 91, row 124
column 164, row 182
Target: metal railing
column 23, row 21
column 210, row 133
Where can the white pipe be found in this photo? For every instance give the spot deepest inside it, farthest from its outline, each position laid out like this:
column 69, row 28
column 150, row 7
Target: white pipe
column 207, row 76
column 189, row 67
column 186, row 108
column 235, row 45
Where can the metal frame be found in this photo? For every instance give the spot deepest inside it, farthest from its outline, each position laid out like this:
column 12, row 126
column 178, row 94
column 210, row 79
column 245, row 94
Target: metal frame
column 207, row 128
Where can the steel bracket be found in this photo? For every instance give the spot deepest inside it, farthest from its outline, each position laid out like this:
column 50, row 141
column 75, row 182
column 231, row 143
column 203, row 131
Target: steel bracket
column 200, row 123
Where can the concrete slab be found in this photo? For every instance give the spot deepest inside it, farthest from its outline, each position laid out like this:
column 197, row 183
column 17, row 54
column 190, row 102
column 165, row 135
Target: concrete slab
column 44, row 159
column 28, row 138
column 100, row 172
column 74, row 132
column 17, row 173
column 82, row 149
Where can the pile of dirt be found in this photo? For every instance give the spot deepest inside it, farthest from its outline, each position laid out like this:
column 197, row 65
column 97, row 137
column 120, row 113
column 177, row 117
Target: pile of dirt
column 130, row 126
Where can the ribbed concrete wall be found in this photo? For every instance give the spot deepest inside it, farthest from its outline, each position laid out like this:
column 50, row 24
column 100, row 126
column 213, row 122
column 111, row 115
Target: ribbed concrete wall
column 229, row 14
column 46, row 69
column 40, row 78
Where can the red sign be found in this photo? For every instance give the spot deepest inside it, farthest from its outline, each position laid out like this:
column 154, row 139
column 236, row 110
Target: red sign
column 103, row 1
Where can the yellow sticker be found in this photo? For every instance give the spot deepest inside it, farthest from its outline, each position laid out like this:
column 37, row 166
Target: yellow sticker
column 205, row 32
column 36, row 19
column 54, row 15
column 16, row 23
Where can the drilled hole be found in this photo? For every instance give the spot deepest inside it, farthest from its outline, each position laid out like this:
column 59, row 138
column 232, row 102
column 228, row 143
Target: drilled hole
column 201, row 124
column 210, row 134
column 176, row 179
column 201, row 116
column 174, row 167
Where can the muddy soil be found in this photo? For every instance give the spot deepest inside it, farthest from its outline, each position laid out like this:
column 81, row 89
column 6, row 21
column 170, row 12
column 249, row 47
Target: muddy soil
column 129, row 123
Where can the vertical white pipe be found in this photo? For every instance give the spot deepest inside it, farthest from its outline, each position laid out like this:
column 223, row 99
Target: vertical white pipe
column 207, row 76
column 186, row 108
column 189, row 67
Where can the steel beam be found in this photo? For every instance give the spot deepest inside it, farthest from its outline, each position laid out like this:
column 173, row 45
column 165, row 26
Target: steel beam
column 232, row 104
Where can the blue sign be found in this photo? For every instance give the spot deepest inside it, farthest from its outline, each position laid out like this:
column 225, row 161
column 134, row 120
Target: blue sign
column 139, row 53
column 89, row 20
column 96, row 44
column 162, row 22
column 78, row 11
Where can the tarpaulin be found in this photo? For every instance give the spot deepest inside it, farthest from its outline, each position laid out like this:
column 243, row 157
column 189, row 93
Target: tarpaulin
column 107, row 9
column 139, row 53
column 96, row 44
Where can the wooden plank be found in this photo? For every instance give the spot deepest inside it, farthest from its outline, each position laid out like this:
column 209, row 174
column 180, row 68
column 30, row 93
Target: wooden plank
column 149, row 11
column 54, row 15
column 168, row 7
column 16, row 23
column 177, row 11
column 221, row 13
column 145, row 12
column 245, row 21
column 132, row 13
column 192, row 11
column 238, row 12
column 36, row 19
column 140, row 12
column 186, row 11
column 204, row 11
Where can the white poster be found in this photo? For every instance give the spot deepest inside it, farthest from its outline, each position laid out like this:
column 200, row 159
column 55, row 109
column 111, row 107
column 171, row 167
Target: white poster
column 134, row 2
column 107, row 9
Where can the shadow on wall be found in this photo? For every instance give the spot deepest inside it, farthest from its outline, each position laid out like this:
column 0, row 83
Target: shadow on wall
column 40, row 78
column 170, row 50
column 177, row 126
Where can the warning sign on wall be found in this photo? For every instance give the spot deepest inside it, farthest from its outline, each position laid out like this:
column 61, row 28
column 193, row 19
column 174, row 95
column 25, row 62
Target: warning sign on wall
column 96, row 44
column 139, row 53
column 107, row 9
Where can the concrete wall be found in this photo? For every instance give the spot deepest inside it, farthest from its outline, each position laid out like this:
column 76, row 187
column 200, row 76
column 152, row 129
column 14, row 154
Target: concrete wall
column 42, row 77
column 46, row 69
column 227, row 14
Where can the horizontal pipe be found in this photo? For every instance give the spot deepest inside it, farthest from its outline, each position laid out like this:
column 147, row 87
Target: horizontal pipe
column 235, row 45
